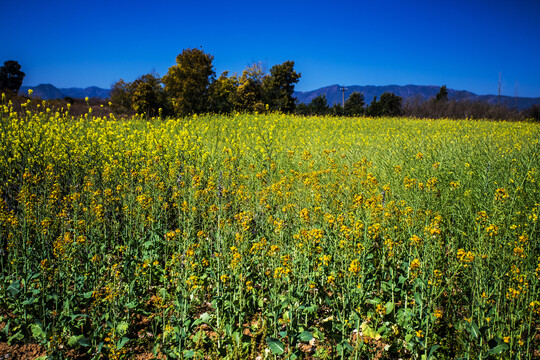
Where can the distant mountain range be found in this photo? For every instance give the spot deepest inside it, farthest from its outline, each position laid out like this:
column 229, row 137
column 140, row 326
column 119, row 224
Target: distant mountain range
column 421, row 92
column 48, row 92
column 333, row 94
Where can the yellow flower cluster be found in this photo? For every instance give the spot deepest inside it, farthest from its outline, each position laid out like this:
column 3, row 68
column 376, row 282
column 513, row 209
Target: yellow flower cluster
column 465, row 257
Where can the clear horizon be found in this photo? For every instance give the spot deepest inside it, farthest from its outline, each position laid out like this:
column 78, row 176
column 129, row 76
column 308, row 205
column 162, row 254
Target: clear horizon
column 346, row 85
column 464, row 45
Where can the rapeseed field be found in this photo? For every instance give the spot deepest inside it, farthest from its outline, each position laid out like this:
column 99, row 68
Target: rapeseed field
column 268, row 236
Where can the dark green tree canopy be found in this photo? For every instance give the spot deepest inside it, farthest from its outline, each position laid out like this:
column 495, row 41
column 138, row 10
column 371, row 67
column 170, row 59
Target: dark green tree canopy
column 223, row 94
column 354, row 106
column 11, row 76
column 302, row 109
column 319, row 105
column 191, row 88
column 187, row 83
column 388, row 105
column 148, row 95
column 442, row 95
column 121, row 97
column 279, row 87
column 145, row 95
column 337, row 110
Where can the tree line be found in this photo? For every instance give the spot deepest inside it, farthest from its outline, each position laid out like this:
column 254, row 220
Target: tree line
column 390, row 104
column 191, row 87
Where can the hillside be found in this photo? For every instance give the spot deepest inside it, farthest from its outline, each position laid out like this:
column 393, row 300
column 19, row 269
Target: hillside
column 421, row 92
column 332, row 92
column 48, row 92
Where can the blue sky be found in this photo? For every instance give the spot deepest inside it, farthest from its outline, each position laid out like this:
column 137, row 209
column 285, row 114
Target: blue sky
column 463, row 44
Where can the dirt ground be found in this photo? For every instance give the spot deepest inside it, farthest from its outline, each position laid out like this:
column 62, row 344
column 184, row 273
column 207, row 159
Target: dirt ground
column 21, row 352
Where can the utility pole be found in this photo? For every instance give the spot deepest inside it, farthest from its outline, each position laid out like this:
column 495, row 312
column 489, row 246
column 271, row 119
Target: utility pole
column 343, row 89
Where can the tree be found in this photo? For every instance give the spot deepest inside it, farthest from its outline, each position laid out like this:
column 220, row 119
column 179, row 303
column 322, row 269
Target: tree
column 187, row 83
column 279, row 87
column 319, row 105
column 223, row 94
column 11, row 76
column 302, row 109
column 337, row 110
column 121, row 97
column 374, row 109
column 250, row 92
column 442, row 95
column 354, row 106
column 147, row 95
column 388, row 105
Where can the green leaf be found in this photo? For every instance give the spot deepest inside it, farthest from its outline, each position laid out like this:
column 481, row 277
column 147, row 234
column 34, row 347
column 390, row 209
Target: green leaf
column 38, row 333
column 228, row 329
column 408, row 337
column 205, row 318
column 275, row 345
column 88, row 295
column 147, row 244
column 344, row 345
column 306, row 336
column 14, row 288
column 120, row 344
column 432, row 351
column 286, row 316
column 499, row 348
column 418, row 299
column 73, row 340
column 375, row 301
column 30, row 301
column 189, row 353
column 84, row 341
column 5, row 330
column 122, row 327
column 17, row 336
column 389, row 307
column 131, row 305
column 474, row 329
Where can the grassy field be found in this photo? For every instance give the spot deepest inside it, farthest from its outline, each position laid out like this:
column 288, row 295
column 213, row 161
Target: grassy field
column 269, row 236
